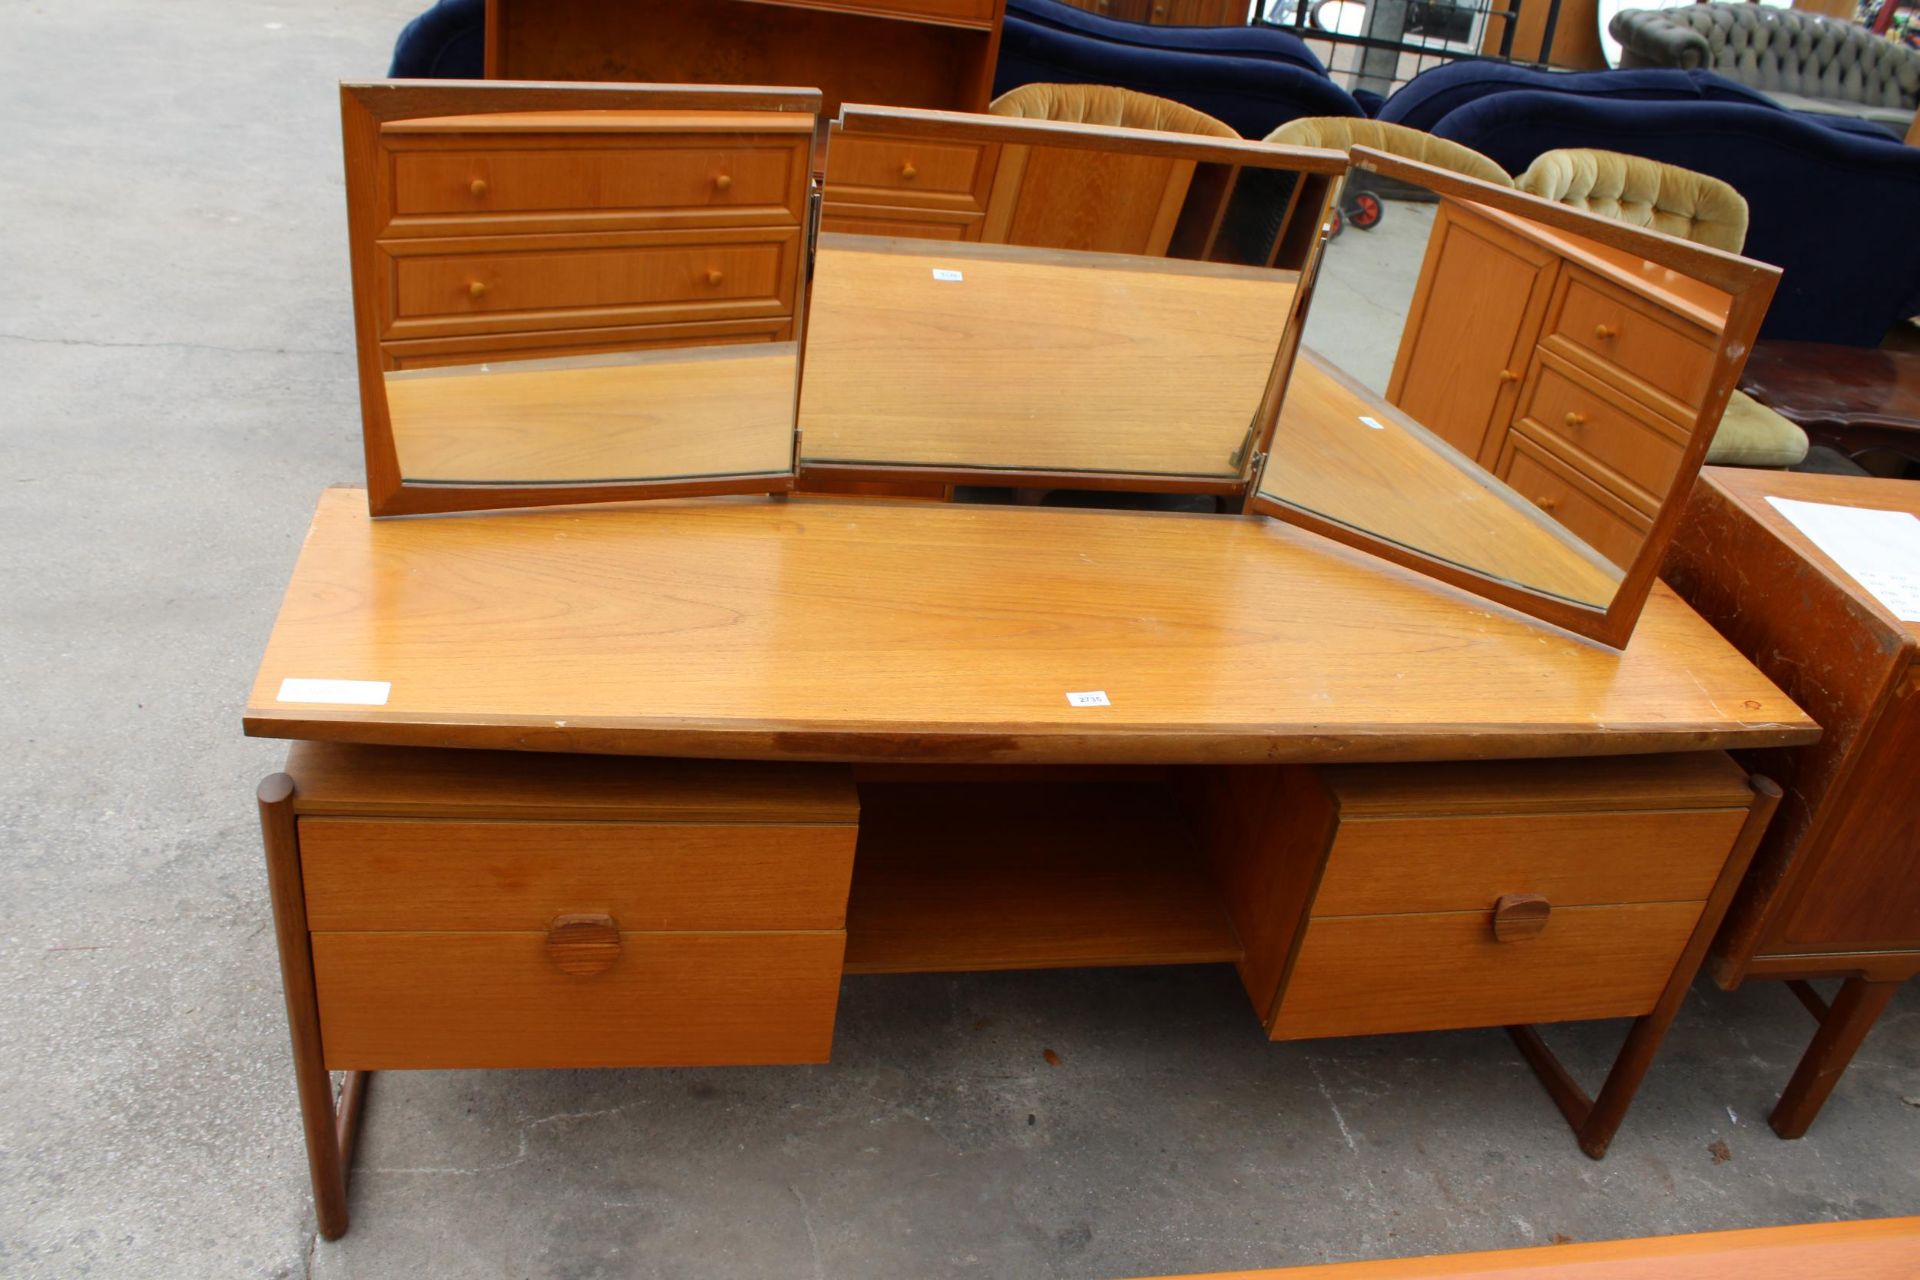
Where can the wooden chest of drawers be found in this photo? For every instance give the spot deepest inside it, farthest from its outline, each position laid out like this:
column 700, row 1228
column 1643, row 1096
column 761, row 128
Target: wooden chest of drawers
column 528, row 911
column 1573, row 376
column 525, row 234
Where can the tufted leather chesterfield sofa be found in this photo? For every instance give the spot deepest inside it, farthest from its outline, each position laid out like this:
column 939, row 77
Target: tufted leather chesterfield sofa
column 1804, row 62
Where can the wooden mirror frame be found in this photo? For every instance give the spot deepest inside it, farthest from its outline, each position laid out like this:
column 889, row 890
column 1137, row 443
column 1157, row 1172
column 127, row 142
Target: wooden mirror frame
column 364, row 109
column 1747, row 283
column 1299, row 234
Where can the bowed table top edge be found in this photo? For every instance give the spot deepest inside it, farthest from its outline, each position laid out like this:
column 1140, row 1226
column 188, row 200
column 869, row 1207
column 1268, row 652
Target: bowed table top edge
column 862, row 631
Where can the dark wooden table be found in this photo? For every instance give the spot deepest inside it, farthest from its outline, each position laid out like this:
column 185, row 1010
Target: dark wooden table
column 1853, row 399
column 1832, row 892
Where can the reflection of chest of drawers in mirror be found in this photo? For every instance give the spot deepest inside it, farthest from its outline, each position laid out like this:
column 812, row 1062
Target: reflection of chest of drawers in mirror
column 1508, row 394
column 1574, row 371
column 563, row 294
column 1029, row 302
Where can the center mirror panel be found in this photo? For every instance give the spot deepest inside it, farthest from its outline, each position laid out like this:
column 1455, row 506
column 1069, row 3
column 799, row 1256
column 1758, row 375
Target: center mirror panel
column 1509, row 390
column 1062, row 304
column 581, row 293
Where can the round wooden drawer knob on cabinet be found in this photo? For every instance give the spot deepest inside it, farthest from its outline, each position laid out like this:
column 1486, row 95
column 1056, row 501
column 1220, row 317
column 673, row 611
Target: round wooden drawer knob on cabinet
column 1576, row 420
column 1520, row 916
column 1508, row 375
column 478, row 186
column 714, row 276
column 1605, row 331
column 583, row 944
column 908, row 171
column 477, row 290
column 722, row 182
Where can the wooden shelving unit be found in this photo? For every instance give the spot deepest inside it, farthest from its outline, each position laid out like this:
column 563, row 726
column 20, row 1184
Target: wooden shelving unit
column 1048, row 875
column 937, row 54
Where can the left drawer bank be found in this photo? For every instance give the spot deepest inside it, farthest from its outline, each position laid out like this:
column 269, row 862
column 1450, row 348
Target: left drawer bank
column 508, row 909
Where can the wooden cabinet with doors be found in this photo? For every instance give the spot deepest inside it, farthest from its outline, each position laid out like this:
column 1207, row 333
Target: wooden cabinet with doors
column 1172, row 13
column 1835, row 888
column 938, row 54
column 1569, row 370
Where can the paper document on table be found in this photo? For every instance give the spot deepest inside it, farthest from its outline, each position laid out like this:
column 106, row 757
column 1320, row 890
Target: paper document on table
column 1879, row 549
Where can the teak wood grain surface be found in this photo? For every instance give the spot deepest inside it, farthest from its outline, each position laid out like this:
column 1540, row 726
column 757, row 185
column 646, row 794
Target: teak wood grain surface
column 1880, row 1249
column 710, row 411
column 836, row 629
column 999, row 357
column 1398, row 481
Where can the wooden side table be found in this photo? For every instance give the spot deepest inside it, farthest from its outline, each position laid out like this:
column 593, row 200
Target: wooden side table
column 1853, row 399
column 1835, row 888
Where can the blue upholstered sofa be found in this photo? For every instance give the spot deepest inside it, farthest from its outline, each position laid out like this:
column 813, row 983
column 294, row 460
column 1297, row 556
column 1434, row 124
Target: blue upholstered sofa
column 1255, row 79
column 1827, row 206
column 447, row 42
column 1425, row 100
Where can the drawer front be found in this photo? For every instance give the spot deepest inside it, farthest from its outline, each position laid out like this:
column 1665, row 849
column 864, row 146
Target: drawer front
column 1661, row 357
column 455, row 1000
column 909, row 172
column 1366, row 975
column 498, row 288
column 1443, row 864
column 368, row 873
column 432, row 353
column 1612, row 528
column 1634, row 455
column 857, row 220
column 447, row 186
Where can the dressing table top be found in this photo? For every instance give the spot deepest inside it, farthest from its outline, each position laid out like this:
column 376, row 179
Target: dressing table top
column 989, row 355
column 849, row 630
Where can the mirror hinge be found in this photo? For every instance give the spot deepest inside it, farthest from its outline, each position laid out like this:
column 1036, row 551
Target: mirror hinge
column 1246, row 446
column 815, row 199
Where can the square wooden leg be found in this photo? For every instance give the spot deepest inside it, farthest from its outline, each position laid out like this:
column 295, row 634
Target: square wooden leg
column 1842, row 1029
column 330, row 1129
column 1596, row 1120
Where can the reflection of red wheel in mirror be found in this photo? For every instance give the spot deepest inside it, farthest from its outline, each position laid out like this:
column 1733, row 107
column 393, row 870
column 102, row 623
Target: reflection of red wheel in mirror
column 1334, row 223
column 1365, row 211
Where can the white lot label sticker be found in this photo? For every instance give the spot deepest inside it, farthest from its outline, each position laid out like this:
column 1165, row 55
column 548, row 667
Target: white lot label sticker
column 1091, row 698
column 353, row 693
column 943, row 273
column 1371, row 423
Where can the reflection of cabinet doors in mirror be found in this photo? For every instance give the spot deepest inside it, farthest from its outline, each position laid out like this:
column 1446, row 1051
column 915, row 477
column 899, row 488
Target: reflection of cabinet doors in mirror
column 578, row 293
column 1507, row 394
column 1028, row 302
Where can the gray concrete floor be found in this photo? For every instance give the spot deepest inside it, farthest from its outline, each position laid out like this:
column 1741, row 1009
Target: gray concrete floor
column 176, row 386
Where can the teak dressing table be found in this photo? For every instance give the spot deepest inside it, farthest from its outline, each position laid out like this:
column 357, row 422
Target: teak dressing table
column 856, row 704
column 634, row 785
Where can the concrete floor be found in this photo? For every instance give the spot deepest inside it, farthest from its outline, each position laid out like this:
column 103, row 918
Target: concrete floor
column 178, row 385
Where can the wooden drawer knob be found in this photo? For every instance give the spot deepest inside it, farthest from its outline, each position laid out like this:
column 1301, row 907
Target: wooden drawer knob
column 908, row 171
column 1576, row 419
column 583, row 944
column 1605, row 331
column 477, row 289
column 714, row 276
column 722, row 182
column 1519, row 916
column 1508, row 375
column 1546, row 504
column 478, row 186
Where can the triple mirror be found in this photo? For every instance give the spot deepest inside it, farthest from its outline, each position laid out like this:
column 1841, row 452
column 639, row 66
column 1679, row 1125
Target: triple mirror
column 590, row 293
